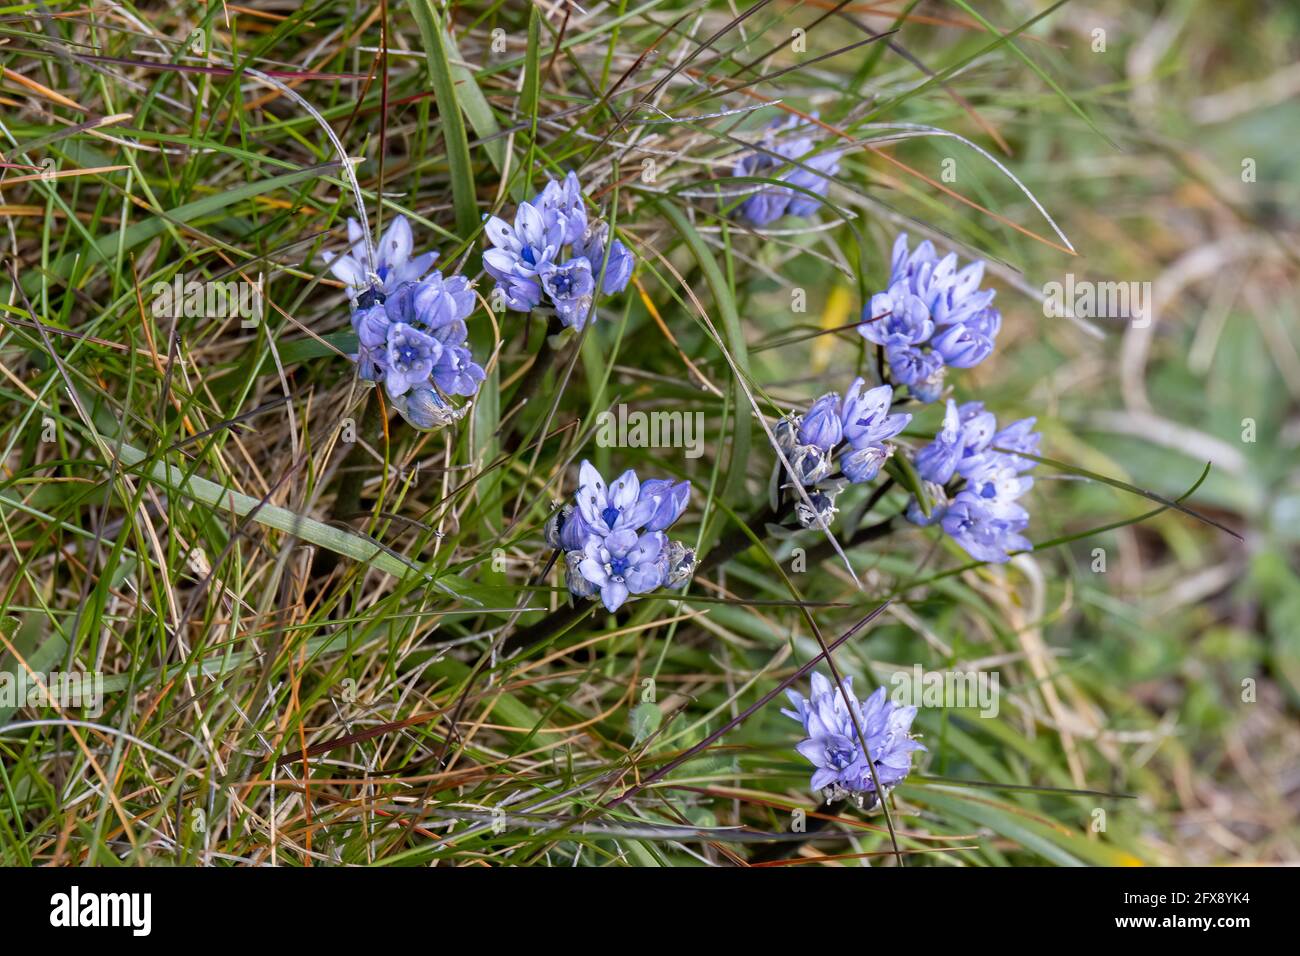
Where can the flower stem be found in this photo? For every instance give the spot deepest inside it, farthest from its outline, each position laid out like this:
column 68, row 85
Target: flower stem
column 348, row 500
column 558, row 621
column 533, row 378
column 737, row 541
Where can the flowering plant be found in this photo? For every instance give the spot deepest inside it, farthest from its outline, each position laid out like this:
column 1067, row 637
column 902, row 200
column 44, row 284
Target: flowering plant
column 832, row 720
column 613, row 539
column 975, row 475
column 931, row 317
column 858, row 429
column 770, row 202
column 410, row 325
column 530, row 264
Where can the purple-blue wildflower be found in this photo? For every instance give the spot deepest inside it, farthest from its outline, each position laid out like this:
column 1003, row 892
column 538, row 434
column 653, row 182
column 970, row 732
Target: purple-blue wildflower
column 833, row 745
column 528, row 247
column 618, row 270
column 810, row 443
column 975, row 475
column 620, row 508
column 411, row 332
column 613, row 539
column 563, row 201
column 938, row 460
column 570, row 288
column 671, row 496
column 770, row 202
column 932, row 316
column 821, row 425
column 410, row 357
column 625, row 563
column 529, row 262
column 866, row 416
column 897, row 318
column 393, row 262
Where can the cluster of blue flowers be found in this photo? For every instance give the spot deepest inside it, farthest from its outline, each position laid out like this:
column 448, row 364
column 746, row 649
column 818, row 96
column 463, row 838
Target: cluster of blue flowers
column 862, row 422
column 613, row 537
column 974, row 474
column 833, row 746
column 933, row 316
column 529, row 262
column 410, row 325
column 770, row 202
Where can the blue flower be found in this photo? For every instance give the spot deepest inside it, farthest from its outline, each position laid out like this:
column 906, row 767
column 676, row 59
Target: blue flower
column 896, row 318
column 575, row 533
column 410, row 358
column 994, row 481
column 563, row 202
column 961, row 346
column 410, row 327
column 521, row 293
column 813, row 178
column 670, row 501
column 937, row 461
column 866, row 417
column 613, row 540
column 920, row 370
column 984, row 515
column 455, row 371
column 624, row 563
column 371, row 326
column 863, row 463
column 977, row 427
column 833, row 746
column 618, row 270
column 821, row 425
column 526, row 248
column 570, row 288
column 439, row 301
column 771, row 202
column 1018, row 438
column 393, row 262
column 621, row 508
column 985, row 532
column 950, row 294
column 424, row 338
column 933, row 315
column 810, row 442
column 529, row 262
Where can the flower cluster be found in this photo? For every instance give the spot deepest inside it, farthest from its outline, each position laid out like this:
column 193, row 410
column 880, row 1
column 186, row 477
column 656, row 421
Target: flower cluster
column 809, row 442
column 832, row 745
column 529, row 262
column 933, row 316
column 974, row 474
column 410, row 325
column 613, row 539
column 770, row 203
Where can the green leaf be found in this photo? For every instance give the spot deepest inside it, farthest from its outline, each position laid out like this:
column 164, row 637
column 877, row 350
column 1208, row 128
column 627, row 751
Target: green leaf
column 725, row 303
column 433, row 32
column 108, row 246
column 347, row 543
column 643, row 720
